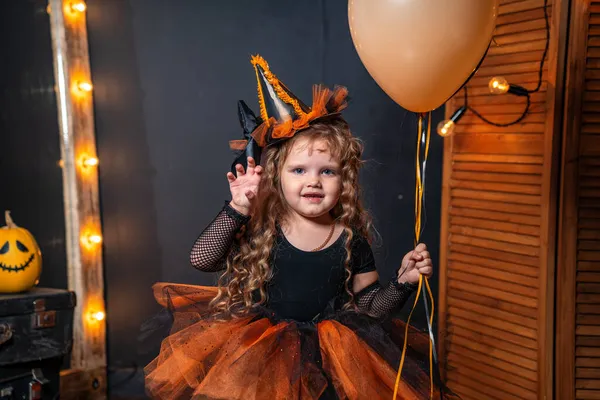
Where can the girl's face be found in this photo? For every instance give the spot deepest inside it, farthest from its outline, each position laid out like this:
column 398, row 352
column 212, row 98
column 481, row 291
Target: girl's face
column 310, row 178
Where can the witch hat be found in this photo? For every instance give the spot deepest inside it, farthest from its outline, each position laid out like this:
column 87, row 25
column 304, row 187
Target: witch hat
column 283, row 113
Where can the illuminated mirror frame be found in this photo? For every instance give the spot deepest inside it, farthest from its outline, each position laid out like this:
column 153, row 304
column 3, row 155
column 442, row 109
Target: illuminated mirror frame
column 86, row 377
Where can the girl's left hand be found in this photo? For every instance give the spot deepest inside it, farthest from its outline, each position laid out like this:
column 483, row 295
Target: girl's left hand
column 415, row 263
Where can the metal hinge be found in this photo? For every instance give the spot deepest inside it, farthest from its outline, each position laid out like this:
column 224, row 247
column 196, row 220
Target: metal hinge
column 42, row 318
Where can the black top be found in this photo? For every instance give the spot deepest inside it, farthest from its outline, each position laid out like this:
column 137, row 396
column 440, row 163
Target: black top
column 303, row 282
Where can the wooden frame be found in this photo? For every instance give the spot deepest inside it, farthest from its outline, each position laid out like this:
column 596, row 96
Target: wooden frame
column 569, row 208
column 559, row 24
column 87, row 376
column 547, row 109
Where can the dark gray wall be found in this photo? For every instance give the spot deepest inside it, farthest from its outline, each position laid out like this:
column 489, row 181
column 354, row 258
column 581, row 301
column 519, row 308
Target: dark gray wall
column 30, row 176
column 167, row 76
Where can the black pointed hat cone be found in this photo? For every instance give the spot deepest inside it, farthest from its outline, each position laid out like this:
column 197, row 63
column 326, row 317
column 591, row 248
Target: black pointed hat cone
column 275, row 106
column 283, row 113
column 248, row 122
column 248, row 119
column 276, row 100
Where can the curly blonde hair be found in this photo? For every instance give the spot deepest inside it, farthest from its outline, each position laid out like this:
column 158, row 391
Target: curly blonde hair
column 249, row 269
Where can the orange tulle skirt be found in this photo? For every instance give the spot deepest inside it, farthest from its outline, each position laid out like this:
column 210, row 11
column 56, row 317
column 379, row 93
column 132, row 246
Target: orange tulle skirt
column 346, row 355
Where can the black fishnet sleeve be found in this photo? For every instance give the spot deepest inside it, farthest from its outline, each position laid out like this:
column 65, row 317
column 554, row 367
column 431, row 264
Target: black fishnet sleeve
column 216, row 242
column 378, row 301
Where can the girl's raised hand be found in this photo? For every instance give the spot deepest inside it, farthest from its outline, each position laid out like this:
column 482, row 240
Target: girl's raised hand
column 244, row 187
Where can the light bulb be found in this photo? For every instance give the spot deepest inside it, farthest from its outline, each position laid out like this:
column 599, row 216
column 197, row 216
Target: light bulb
column 446, row 127
column 77, row 6
column 97, row 316
column 91, row 240
column 87, row 161
column 84, row 86
column 91, row 161
column 95, row 239
column 498, row 85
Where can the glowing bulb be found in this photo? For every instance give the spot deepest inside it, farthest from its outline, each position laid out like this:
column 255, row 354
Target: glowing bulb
column 498, row 85
column 91, row 240
column 84, row 87
column 77, row 6
column 97, row 316
column 88, row 162
column 446, row 127
column 95, row 239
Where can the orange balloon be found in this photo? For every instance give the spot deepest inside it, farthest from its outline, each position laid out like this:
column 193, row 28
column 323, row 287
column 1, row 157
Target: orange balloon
column 421, row 51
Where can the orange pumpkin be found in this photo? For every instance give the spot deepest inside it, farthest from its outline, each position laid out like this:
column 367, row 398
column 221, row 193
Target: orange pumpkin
column 20, row 258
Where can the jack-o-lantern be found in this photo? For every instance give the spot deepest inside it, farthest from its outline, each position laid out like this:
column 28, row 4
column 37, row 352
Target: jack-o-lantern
column 20, row 258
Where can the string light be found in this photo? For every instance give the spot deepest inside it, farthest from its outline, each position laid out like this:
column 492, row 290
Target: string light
column 95, row 239
column 499, row 85
column 91, row 240
column 96, row 316
column 84, row 87
column 446, row 127
column 88, row 161
column 77, row 6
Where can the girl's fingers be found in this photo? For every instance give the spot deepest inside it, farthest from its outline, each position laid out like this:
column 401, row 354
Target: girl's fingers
column 416, row 256
column 230, row 177
column 250, row 194
column 420, row 256
column 410, row 265
column 258, row 170
column 251, row 165
column 240, row 170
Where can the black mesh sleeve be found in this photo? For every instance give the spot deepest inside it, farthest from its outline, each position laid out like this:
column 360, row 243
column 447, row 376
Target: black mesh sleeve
column 216, row 242
column 378, row 301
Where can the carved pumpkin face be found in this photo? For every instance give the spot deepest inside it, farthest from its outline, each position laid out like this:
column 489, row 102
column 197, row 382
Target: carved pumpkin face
column 20, row 258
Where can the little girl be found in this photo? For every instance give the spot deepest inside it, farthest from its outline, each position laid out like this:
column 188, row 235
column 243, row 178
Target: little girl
column 298, row 312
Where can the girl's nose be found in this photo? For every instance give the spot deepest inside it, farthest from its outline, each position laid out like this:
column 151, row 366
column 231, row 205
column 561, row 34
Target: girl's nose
column 314, row 182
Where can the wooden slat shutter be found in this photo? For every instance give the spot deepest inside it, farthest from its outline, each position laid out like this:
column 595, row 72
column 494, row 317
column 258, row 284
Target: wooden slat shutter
column 578, row 283
column 499, row 218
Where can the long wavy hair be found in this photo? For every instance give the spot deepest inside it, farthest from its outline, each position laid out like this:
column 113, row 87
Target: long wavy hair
column 242, row 286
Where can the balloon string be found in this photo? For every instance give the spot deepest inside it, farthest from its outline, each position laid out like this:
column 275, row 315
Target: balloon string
column 406, row 340
column 422, row 137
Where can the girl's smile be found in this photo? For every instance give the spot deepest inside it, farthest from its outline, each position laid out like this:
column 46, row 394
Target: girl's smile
column 310, row 179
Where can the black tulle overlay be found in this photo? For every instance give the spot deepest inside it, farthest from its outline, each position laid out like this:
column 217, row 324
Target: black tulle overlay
column 342, row 354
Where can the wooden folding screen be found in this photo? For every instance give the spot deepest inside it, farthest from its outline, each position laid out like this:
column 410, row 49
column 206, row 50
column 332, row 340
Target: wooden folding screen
column 499, row 216
column 578, row 268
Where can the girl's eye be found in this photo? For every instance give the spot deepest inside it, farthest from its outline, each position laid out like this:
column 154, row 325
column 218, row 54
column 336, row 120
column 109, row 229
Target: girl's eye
column 329, row 172
column 298, row 170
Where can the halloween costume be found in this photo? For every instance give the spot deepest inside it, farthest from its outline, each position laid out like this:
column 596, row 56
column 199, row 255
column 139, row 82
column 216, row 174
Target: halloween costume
column 302, row 343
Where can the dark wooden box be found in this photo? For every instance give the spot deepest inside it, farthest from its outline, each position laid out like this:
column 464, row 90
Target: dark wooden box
column 36, row 331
